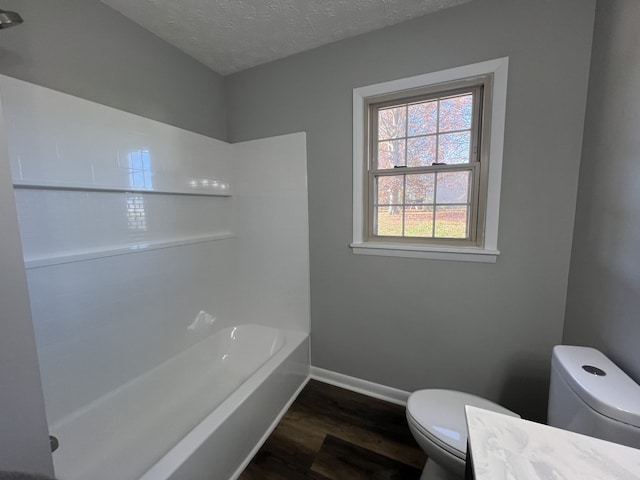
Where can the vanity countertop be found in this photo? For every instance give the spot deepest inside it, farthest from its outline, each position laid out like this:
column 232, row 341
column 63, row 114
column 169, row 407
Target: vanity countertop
column 509, row 448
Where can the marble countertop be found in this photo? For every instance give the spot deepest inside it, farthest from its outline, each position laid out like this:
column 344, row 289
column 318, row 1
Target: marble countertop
column 509, row 448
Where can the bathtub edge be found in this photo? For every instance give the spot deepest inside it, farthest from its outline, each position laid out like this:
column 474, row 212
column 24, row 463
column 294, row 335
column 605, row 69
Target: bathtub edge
column 272, row 427
column 230, row 444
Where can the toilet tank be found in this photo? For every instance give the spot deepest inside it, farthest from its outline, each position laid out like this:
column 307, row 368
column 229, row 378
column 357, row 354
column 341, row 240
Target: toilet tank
column 589, row 394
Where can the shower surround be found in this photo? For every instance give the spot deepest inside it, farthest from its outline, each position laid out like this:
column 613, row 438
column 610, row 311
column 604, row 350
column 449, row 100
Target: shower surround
column 158, row 260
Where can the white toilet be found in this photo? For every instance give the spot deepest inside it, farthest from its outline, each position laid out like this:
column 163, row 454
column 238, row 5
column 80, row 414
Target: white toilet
column 437, row 421
column 588, row 394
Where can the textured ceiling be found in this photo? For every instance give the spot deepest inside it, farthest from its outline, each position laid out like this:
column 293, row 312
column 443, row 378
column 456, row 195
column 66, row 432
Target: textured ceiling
column 232, row 35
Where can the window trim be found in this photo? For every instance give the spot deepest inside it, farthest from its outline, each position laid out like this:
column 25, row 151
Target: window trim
column 362, row 96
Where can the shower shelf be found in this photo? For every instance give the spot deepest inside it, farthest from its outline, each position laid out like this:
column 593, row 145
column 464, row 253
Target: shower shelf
column 93, row 254
column 47, row 185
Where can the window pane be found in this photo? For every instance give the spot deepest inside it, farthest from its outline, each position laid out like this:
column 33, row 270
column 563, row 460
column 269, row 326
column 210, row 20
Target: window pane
column 451, row 222
column 392, row 122
column 388, row 221
column 420, row 189
column 454, row 148
column 455, row 113
column 418, row 221
column 421, row 151
column 423, row 118
column 453, row 187
column 391, row 153
column 390, row 190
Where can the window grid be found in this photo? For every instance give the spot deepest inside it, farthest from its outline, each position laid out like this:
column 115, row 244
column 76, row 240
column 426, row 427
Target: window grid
column 437, row 134
column 435, row 210
column 404, row 204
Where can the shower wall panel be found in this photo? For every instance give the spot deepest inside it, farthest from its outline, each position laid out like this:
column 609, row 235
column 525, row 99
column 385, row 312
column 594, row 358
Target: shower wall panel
column 100, row 323
column 58, row 140
column 141, row 239
column 126, row 225
column 272, row 228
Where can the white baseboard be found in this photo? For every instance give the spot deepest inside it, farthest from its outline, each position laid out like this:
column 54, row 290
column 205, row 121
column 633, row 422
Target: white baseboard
column 358, row 385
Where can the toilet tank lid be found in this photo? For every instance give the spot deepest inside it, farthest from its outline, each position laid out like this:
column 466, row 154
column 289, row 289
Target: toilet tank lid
column 614, row 395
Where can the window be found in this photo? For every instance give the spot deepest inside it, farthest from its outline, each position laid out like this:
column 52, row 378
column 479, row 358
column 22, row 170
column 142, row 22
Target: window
column 427, row 164
column 424, row 169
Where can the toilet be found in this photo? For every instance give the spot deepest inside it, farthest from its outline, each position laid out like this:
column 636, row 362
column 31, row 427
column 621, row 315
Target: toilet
column 437, row 421
column 588, row 394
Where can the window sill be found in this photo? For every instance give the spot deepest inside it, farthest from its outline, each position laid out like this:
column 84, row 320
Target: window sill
column 460, row 254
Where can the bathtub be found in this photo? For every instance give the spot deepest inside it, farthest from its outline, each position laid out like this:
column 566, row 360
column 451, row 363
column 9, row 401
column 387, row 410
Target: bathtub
column 200, row 415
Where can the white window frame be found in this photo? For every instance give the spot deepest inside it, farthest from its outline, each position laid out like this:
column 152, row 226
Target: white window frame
column 486, row 253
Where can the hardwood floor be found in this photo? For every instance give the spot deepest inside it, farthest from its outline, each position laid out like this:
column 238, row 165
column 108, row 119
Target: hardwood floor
column 334, row 434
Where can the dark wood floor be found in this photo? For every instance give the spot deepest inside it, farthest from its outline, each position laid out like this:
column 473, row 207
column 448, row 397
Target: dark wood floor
column 332, row 433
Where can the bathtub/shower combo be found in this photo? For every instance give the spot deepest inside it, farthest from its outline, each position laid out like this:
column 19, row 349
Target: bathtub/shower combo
column 129, row 227
column 199, row 415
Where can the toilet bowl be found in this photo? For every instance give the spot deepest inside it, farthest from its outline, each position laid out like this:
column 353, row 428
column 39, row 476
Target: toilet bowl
column 437, row 421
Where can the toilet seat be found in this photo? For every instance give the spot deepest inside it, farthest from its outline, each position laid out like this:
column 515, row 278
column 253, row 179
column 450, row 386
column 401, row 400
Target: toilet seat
column 435, row 440
column 439, row 416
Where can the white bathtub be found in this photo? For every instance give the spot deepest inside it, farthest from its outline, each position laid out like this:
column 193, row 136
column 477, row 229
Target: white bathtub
column 199, row 415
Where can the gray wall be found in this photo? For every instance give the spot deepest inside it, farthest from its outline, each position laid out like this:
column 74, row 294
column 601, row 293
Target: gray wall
column 403, row 322
column 85, row 48
column 24, row 438
column 603, row 302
